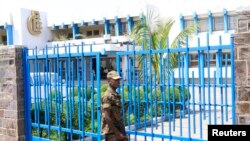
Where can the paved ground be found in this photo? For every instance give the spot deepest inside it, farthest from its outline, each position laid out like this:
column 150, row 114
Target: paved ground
column 207, row 109
column 194, row 126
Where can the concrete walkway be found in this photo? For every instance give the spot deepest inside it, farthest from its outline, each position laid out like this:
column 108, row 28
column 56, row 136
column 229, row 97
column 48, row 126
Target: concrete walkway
column 193, row 126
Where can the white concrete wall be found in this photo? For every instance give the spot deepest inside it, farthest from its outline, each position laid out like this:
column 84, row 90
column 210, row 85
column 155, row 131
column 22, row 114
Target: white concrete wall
column 211, row 72
column 214, row 39
column 21, row 34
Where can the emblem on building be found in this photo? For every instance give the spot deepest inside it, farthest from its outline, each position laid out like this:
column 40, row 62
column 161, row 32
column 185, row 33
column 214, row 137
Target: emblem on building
column 34, row 23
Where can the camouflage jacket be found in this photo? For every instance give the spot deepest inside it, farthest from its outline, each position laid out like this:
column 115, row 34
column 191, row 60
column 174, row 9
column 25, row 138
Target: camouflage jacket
column 112, row 100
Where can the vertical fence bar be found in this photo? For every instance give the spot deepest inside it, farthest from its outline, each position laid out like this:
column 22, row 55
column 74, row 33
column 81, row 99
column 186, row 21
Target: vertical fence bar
column 56, row 87
column 194, row 104
column 27, row 96
column 98, row 85
column 37, row 98
column 180, row 80
column 208, row 79
column 168, row 86
column 162, row 73
column 139, row 100
column 60, row 100
column 129, row 94
column 118, row 65
column 226, row 85
column 79, row 93
column 232, row 79
column 92, row 94
column 73, row 89
column 134, row 89
column 67, row 90
column 186, row 63
column 39, row 82
column 83, row 94
column 220, row 83
column 151, row 87
column 155, row 100
column 202, row 83
column 215, row 105
column 199, row 86
column 145, row 90
column 79, row 90
column 47, row 101
column 173, row 102
column 164, row 100
column 181, row 99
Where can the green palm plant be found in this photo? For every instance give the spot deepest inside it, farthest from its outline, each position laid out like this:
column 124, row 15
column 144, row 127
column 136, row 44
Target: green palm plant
column 152, row 32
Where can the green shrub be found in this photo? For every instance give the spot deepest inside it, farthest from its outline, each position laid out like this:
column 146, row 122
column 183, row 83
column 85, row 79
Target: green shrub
column 83, row 91
column 131, row 119
column 177, row 94
column 104, row 87
column 65, row 117
column 52, row 107
column 148, row 104
column 153, row 100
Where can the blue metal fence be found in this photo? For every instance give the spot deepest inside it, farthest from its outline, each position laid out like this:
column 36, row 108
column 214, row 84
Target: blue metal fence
column 63, row 94
column 167, row 94
column 174, row 93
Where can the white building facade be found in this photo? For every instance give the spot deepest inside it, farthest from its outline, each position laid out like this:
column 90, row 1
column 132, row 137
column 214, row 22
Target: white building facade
column 103, row 28
column 215, row 18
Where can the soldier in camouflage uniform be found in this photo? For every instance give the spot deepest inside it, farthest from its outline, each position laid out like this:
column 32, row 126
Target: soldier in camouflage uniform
column 112, row 122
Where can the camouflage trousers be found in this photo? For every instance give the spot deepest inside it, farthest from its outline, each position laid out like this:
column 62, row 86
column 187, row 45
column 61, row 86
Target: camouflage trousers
column 111, row 137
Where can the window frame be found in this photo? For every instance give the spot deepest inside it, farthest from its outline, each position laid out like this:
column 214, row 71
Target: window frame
column 232, row 22
column 218, row 23
column 87, row 33
column 188, row 22
column 96, row 32
column 202, row 24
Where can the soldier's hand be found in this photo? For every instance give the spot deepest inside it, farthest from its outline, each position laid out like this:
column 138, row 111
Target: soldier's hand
column 120, row 136
column 125, row 138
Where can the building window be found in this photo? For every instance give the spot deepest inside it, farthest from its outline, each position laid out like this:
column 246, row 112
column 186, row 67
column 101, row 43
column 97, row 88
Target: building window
column 226, row 58
column 193, row 60
column 218, row 24
column 4, row 40
column 89, row 33
column 248, row 26
column 194, row 56
column 112, row 29
column 96, row 32
column 203, row 25
column 231, row 22
column 188, row 23
column 70, row 36
column 124, row 28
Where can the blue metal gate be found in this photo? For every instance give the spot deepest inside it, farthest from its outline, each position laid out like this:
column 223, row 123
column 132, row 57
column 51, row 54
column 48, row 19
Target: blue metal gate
column 173, row 94
column 63, row 90
column 167, row 94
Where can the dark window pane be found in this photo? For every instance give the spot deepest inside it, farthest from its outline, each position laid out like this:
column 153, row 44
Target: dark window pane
column 203, row 25
column 89, row 33
column 188, row 23
column 124, row 28
column 96, row 32
column 218, row 24
column 231, row 22
column 112, row 29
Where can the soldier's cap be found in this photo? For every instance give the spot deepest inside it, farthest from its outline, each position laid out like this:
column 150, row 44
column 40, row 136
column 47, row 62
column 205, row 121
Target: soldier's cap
column 113, row 75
